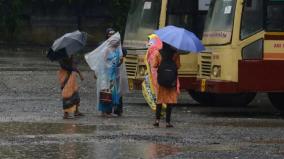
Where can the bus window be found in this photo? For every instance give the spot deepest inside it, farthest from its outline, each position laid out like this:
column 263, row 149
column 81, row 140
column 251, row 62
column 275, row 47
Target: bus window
column 253, row 51
column 219, row 22
column 180, row 13
column 143, row 19
column 274, row 20
column 250, row 23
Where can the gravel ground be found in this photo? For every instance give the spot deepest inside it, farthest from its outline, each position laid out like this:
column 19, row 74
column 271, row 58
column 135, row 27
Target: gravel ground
column 31, row 124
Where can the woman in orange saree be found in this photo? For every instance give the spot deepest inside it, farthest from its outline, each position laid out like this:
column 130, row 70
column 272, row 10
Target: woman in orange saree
column 67, row 76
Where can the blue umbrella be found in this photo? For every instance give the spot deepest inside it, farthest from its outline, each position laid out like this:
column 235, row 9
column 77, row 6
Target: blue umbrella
column 180, row 38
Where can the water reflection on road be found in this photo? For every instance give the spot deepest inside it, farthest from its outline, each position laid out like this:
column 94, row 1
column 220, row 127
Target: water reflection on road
column 72, row 141
column 16, row 128
column 88, row 150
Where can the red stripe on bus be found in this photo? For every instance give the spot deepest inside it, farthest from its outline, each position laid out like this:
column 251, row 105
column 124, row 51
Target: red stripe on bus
column 274, row 37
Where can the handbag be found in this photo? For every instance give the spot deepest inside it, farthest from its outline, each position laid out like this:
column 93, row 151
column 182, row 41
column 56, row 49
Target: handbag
column 105, row 96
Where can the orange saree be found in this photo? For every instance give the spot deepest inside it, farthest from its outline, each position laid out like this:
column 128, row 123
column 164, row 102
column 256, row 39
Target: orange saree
column 69, row 90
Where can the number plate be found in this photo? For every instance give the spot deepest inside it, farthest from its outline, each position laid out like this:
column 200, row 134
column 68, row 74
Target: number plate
column 203, row 85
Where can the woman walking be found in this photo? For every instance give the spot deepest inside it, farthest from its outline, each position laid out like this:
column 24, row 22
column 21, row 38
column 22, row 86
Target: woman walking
column 166, row 94
column 67, row 76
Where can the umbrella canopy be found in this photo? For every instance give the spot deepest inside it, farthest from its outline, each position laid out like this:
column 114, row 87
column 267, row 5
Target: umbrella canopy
column 72, row 42
column 180, row 38
column 67, row 45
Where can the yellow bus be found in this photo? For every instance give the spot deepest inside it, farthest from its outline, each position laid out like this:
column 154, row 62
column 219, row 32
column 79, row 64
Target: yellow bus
column 244, row 54
column 144, row 17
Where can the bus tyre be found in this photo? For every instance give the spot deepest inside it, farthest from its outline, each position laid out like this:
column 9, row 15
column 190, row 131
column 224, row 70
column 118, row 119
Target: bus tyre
column 234, row 99
column 202, row 98
column 213, row 99
column 277, row 100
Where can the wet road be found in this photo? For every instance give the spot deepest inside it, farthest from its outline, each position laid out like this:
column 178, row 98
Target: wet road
column 31, row 124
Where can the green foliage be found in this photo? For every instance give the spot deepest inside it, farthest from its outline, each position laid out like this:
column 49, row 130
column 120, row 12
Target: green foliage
column 15, row 14
column 11, row 12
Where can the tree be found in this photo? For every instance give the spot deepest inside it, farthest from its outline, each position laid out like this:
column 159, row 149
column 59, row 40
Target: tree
column 11, row 12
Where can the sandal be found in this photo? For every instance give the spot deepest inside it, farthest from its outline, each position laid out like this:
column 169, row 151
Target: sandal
column 168, row 125
column 156, row 124
column 109, row 115
column 67, row 116
column 78, row 114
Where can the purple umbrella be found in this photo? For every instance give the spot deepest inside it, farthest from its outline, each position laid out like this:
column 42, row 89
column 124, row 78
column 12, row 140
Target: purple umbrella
column 180, row 38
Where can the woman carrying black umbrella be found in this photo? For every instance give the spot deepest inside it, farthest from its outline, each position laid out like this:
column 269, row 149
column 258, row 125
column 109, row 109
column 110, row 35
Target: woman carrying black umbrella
column 67, row 76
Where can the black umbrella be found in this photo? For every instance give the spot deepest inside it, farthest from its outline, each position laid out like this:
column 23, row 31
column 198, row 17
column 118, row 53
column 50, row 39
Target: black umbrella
column 67, row 45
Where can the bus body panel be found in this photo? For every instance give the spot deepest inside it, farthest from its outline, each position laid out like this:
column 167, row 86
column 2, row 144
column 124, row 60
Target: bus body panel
column 238, row 71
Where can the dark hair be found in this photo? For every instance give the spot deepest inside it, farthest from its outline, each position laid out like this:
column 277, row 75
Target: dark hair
column 168, row 47
column 109, row 31
column 167, row 51
column 67, row 64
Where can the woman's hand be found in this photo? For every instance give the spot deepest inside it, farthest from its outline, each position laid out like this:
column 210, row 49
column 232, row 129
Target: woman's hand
column 120, row 62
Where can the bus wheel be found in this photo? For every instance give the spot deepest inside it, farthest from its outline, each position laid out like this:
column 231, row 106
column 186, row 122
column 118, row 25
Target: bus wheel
column 202, row 98
column 235, row 99
column 277, row 100
column 213, row 99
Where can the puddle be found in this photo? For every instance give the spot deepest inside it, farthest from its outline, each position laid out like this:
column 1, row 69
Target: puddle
column 249, row 124
column 214, row 147
column 238, row 112
column 272, row 141
column 16, row 143
column 71, row 150
column 17, row 128
column 90, row 150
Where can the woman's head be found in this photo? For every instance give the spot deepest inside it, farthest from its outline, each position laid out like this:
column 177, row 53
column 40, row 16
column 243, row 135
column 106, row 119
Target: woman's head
column 109, row 32
column 114, row 42
column 154, row 41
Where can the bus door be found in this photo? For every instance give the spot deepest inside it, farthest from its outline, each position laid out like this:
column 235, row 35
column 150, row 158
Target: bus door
column 274, row 21
column 251, row 32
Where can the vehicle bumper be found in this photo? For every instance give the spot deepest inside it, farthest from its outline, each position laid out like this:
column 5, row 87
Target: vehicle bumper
column 215, row 86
